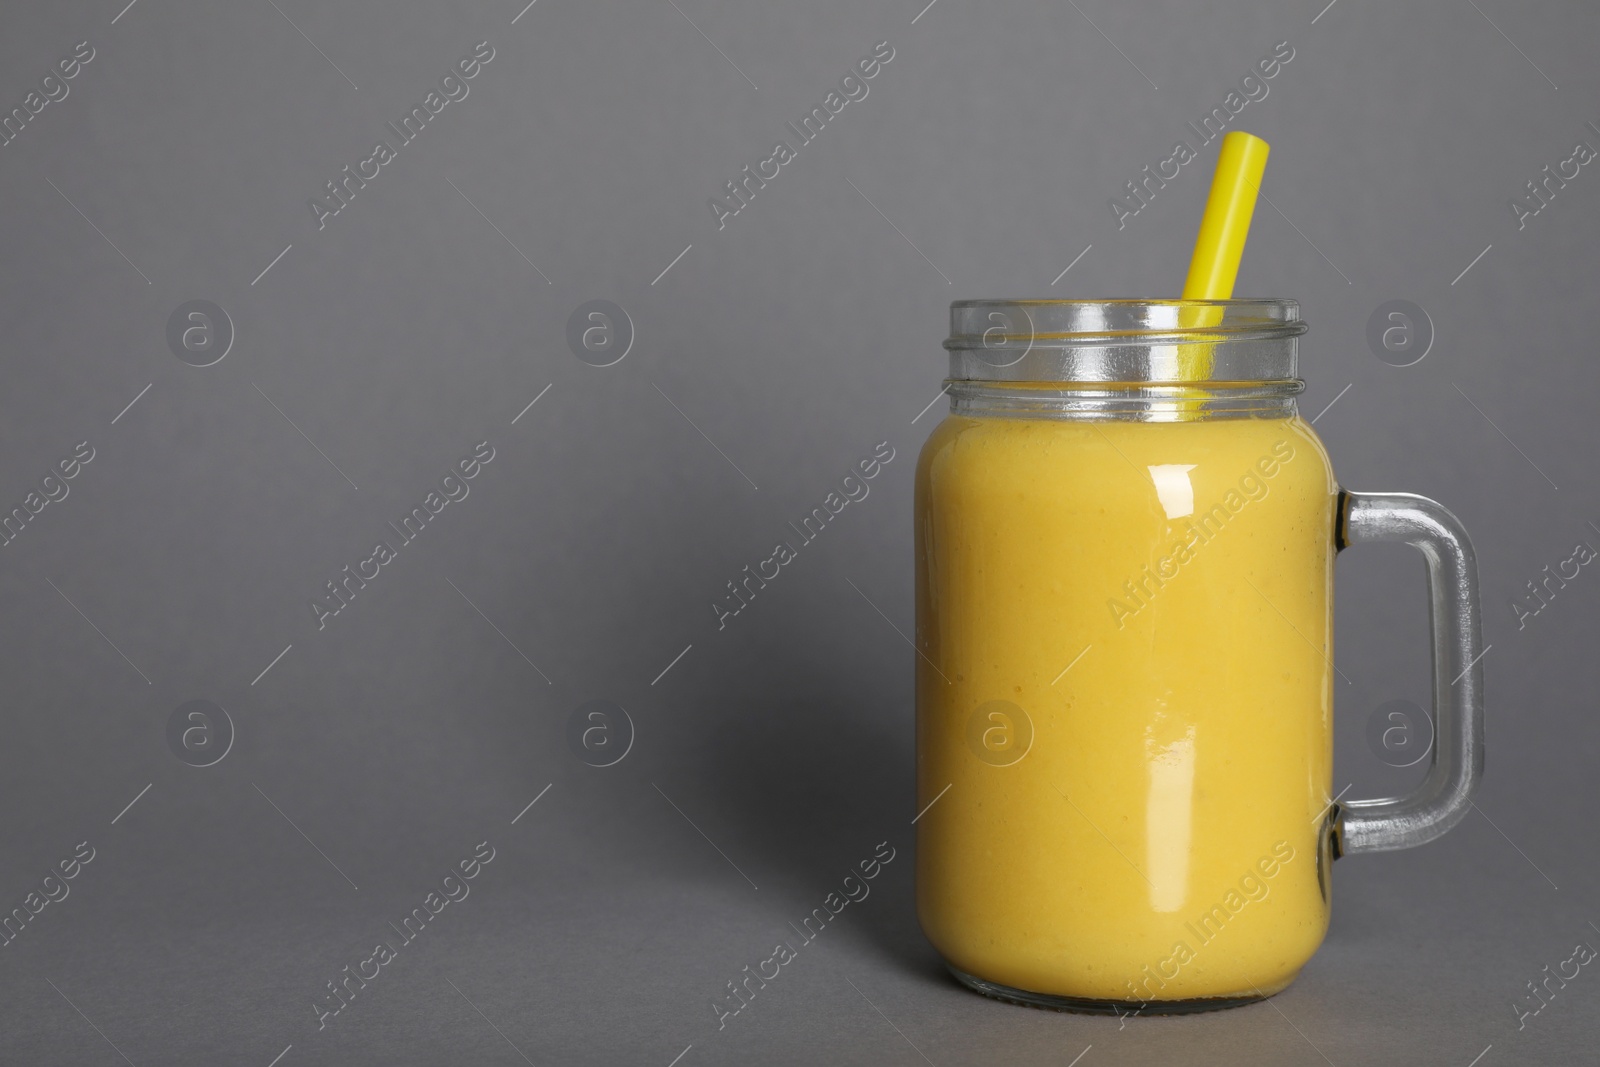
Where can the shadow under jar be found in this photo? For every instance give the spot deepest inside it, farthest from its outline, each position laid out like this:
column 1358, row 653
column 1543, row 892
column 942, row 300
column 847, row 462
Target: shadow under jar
column 1125, row 542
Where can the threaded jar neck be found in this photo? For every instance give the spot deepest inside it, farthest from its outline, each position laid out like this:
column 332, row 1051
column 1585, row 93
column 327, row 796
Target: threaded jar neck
column 1145, row 360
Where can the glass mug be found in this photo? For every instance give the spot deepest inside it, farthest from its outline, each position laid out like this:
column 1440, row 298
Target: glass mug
column 1125, row 536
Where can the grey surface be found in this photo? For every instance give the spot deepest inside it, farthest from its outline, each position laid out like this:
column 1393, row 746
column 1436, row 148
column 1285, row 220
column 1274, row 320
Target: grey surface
column 796, row 338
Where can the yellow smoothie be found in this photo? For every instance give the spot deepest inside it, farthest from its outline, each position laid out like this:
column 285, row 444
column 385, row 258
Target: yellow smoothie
column 1125, row 681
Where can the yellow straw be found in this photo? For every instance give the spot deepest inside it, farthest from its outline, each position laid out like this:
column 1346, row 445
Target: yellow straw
column 1220, row 244
column 1218, row 248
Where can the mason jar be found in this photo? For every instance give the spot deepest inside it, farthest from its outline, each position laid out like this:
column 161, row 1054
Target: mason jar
column 1125, row 545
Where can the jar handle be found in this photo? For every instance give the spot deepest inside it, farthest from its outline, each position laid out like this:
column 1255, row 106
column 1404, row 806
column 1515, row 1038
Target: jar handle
column 1444, row 797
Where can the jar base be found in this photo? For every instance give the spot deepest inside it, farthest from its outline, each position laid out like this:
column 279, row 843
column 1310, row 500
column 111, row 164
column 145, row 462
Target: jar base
column 1092, row 1006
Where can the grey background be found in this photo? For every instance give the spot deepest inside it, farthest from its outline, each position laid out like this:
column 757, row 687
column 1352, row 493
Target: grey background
column 796, row 338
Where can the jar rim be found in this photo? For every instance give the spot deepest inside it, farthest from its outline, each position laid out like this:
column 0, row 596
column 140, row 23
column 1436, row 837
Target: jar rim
column 972, row 322
column 1124, row 340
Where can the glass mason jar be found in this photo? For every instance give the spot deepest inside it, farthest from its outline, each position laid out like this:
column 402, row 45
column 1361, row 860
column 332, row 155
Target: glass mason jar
column 1125, row 536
